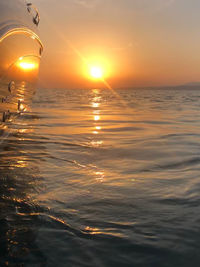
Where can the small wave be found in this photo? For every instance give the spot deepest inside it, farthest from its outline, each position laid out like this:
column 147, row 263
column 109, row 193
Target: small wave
column 184, row 164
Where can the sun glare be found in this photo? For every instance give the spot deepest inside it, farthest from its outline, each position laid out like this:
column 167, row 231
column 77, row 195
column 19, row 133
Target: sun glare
column 96, row 72
column 27, row 65
column 96, row 69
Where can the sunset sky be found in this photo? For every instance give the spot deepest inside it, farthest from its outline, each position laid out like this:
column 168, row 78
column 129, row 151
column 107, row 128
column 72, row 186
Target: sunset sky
column 135, row 42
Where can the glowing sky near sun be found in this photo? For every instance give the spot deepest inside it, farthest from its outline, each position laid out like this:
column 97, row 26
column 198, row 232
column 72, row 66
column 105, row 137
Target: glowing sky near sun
column 135, row 42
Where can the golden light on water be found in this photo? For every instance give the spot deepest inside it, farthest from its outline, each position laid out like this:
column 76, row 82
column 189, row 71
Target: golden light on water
column 96, row 117
column 95, row 105
column 98, row 127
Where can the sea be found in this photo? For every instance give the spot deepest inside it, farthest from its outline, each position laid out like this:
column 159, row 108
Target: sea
column 102, row 177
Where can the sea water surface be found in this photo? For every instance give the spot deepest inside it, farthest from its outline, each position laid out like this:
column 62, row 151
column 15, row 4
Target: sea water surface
column 102, row 178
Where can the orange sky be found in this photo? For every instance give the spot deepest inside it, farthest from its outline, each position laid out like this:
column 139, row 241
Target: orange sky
column 137, row 42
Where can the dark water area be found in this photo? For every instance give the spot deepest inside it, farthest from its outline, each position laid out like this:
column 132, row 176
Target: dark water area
column 102, row 178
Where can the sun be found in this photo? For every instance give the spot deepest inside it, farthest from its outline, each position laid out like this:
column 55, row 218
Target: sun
column 96, row 72
column 26, row 65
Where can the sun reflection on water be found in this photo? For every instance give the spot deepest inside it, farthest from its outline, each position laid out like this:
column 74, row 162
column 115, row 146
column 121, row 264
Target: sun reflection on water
column 97, row 118
column 96, row 105
column 96, row 143
column 98, row 127
column 92, row 230
column 21, row 163
column 100, row 175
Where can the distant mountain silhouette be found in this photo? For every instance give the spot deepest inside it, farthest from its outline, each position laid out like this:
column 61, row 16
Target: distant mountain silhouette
column 192, row 84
